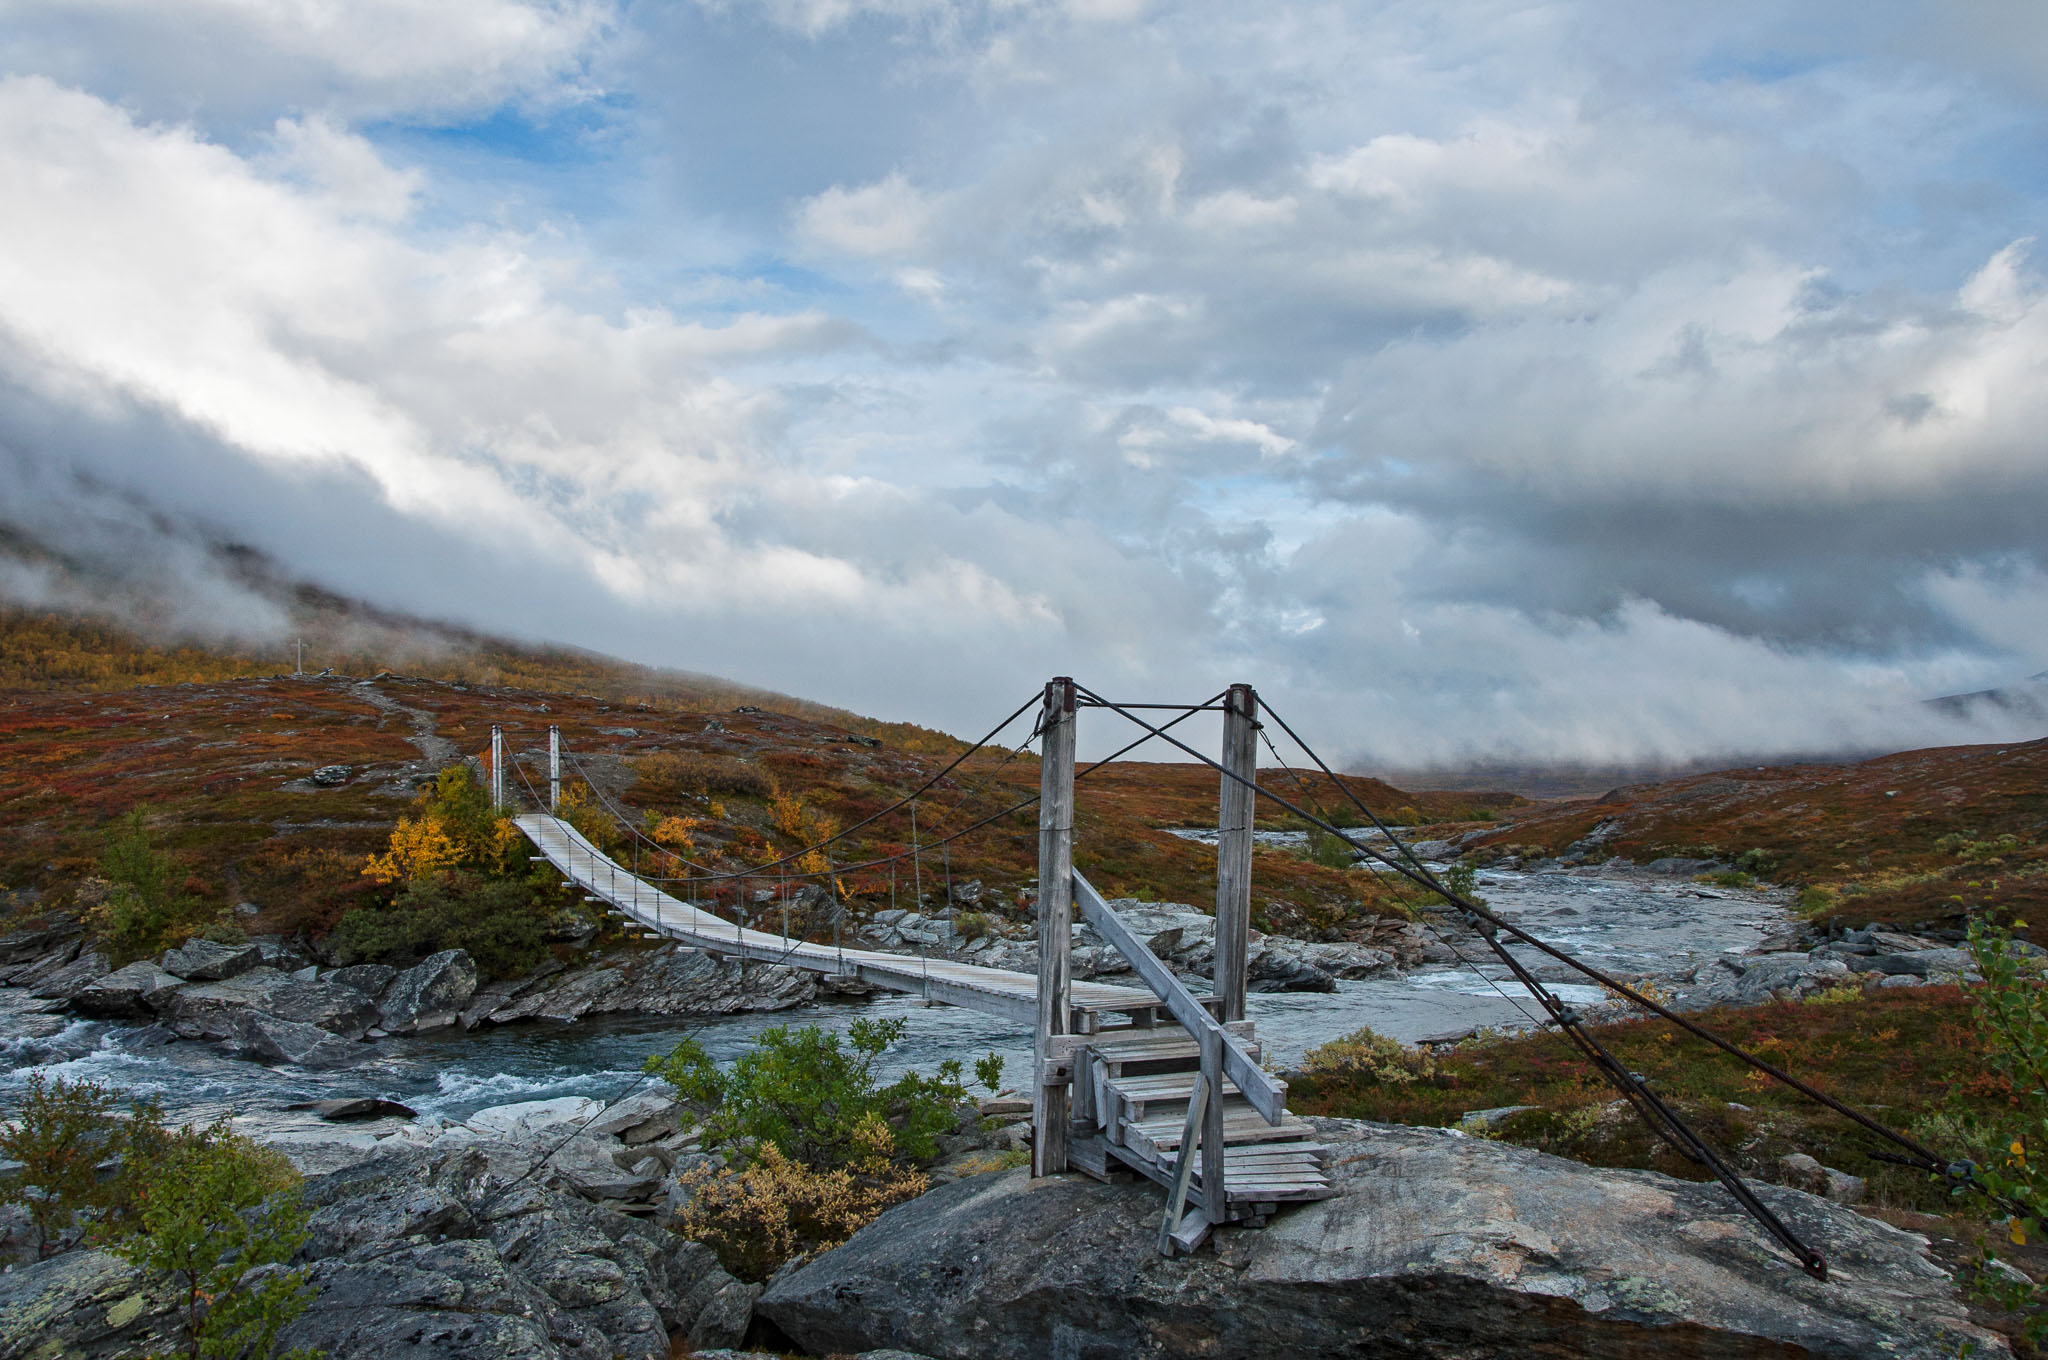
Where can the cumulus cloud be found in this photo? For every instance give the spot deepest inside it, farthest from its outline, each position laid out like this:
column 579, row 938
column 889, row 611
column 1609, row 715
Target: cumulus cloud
column 369, row 58
column 1532, row 383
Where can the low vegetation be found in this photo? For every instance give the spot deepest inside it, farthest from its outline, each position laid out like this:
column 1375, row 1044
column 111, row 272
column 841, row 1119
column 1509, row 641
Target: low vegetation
column 459, row 878
column 1964, row 1071
column 816, row 1147
column 1920, row 839
column 208, row 1214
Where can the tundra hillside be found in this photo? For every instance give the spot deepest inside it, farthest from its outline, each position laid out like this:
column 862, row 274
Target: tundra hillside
column 269, row 792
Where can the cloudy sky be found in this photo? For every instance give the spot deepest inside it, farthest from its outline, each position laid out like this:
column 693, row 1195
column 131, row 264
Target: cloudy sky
column 1527, row 380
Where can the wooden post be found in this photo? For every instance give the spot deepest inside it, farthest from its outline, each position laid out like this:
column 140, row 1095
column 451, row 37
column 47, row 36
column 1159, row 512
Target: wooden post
column 1235, row 812
column 1049, row 1103
column 555, row 770
column 1214, row 1198
column 497, row 766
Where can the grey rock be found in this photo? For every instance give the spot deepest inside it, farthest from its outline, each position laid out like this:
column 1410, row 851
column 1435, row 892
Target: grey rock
column 535, row 1118
column 1437, row 850
column 421, row 1254
column 639, row 1118
column 1927, row 963
column 1486, row 1119
column 669, row 980
column 1678, row 864
column 368, row 978
column 1436, row 1245
column 1804, row 1173
column 429, row 995
column 132, row 993
column 35, row 942
column 362, row 1107
column 590, row 1167
column 1276, row 967
column 331, row 776
column 330, row 1005
column 207, row 1010
column 64, row 983
column 89, row 1304
column 269, row 1039
column 206, row 961
column 1902, row 980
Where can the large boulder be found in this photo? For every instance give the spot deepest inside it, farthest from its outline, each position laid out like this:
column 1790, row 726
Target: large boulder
column 210, row 1010
column 329, row 1005
column 535, row 1118
column 265, row 1037
column 83, row 1305
column 61, row 984
column 669, row 980
column 1437, row 1245
column 206, row 961
column 1285, row 966
column 371, row 978
column 136, row 992
column 430, row 994
column 591, row 1167
column 420, row 1255
column 639, row 1118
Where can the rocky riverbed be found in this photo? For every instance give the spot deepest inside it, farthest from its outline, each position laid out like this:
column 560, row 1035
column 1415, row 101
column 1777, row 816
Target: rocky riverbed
column 535, row 1231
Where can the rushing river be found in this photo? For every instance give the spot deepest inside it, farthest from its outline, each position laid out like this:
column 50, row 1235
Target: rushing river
column 1631, row 924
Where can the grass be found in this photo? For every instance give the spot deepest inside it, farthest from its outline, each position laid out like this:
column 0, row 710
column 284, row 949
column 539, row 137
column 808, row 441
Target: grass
column 1908, row 1057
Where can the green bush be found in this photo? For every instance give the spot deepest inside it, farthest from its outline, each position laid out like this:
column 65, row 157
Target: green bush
column 218, row 1217
column 1758, row 862
column 63, row 1133
column 1332, row 852
column 146, row 910
column 814, row 1097
column 501, row 922
column 208, row 1210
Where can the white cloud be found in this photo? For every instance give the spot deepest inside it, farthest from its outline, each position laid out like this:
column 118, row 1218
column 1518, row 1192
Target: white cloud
column 365, row 57
column 886, row 218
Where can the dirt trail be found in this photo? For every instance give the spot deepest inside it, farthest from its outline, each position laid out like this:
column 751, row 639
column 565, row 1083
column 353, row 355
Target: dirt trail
column 437, row 749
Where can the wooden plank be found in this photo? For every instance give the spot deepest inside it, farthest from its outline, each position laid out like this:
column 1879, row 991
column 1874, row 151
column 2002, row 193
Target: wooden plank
column 1049, row 1104
column 1266, row 1093
column 1177, row 1195
column 1234, row 815
column 1192, row 1232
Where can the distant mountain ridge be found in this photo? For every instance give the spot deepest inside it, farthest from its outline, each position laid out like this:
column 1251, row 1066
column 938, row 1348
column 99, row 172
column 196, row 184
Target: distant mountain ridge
column 87, row 625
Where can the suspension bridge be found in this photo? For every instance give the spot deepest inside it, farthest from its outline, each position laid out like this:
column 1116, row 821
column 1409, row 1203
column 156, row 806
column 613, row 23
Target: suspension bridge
column 1155, row 1081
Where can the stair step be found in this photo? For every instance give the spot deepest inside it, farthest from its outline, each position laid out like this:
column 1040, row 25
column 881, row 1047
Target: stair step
column 1241, row 1124
column 1258, row 1155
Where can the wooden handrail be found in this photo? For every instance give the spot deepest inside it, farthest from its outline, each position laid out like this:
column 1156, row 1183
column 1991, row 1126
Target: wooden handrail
column 1266, row 1093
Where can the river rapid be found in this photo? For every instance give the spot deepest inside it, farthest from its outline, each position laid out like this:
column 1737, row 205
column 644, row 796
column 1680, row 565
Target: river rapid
column 1625, row 922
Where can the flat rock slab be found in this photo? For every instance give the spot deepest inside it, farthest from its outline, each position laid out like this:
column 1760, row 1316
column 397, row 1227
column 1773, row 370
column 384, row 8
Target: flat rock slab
column 1437, row 1245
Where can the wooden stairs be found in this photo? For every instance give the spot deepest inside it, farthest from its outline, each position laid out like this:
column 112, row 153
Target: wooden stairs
column 1182, row 1103
column 1133, row 1088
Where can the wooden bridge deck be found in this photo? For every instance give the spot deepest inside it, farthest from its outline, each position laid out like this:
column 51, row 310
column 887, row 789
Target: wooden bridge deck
column 994, row 990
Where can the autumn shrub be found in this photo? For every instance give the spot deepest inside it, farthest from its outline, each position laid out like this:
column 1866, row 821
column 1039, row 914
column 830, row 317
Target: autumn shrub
column 677, row 774
column 453, row 827
column 2011, row 1011
column 1369, row 1058
column 463, row 883
column 812, row 1094
column 502, row 923
column 146, row 908
column 774, row 1210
